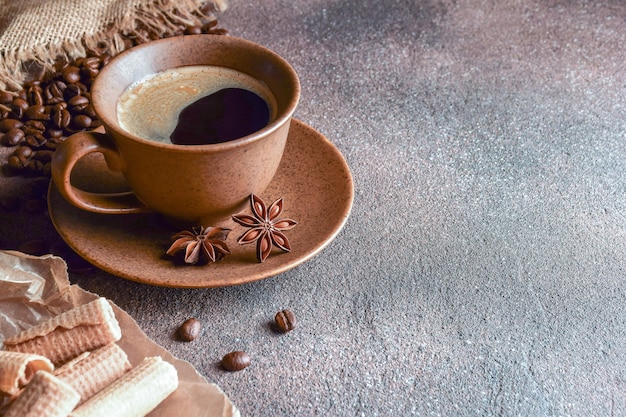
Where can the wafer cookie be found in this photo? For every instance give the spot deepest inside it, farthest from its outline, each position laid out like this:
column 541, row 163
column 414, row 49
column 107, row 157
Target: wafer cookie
column 44, row 396
column 17, row 369
column 92, row 371
column 69, row 334
column 135, row 394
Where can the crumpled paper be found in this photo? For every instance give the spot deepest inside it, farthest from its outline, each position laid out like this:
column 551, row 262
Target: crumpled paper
column 35, row 288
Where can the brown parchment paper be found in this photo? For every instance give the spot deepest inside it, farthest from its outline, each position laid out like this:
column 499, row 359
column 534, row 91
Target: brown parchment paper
column 35, row 288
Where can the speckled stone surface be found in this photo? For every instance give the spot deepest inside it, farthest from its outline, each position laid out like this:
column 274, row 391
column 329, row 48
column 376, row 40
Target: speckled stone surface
column 483, row 268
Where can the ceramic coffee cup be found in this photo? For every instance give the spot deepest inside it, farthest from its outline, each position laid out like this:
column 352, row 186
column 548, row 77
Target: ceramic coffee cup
column 192, row 184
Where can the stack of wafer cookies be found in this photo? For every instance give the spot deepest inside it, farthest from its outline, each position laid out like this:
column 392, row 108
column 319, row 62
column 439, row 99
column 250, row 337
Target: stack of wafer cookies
column 71, row 365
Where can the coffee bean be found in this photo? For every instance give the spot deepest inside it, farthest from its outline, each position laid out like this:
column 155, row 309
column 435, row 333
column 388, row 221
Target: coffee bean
column 32, row 83
column 90, row 67
column 235, row 361
column 72, row 90
column 104, row 59
column 193, row 30
column 285, row 321
column 23, row 152
column 89, row 111
column 53, row 93
column 7, row 124
column 52, row 143
column 36, row 112
column 35, row 141
column 53, row 132
column 79, row 101
column 15, row 163
column 60, row 117
column 218, row 31
column 81, row 121
column 18, row 107
column 20, row 157
column 208, row 26
column 13, row 137
column 35, row 95
column 189, row 330
column 5, row 97
column 34, row 127
column 71, row 74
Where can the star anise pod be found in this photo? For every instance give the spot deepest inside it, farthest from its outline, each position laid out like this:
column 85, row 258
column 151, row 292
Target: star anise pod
column 266, row 229
column 200, row 245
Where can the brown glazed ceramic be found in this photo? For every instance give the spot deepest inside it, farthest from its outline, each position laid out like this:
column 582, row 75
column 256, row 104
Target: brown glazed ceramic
column 198, row 184
column 313, row 179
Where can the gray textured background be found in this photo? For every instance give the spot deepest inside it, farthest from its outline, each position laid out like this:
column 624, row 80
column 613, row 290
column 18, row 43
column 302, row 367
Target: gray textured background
column 483, row 268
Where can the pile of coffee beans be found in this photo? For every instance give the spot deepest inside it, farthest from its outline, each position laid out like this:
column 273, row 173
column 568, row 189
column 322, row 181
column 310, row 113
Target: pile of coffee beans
column 37, row 118
column 53, row 106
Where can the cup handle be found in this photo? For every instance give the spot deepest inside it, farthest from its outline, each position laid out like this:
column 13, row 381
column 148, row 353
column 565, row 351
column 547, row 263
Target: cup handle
column 69, row 152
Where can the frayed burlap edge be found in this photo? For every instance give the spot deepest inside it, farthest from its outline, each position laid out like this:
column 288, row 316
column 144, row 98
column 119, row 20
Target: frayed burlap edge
column 159, row 19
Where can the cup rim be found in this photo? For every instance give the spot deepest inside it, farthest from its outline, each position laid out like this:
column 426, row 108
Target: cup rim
column 282, row 118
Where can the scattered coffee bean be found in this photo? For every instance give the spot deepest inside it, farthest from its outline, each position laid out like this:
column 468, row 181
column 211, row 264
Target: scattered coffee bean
column 189, row 330
column 285, row 321
column 235, row 361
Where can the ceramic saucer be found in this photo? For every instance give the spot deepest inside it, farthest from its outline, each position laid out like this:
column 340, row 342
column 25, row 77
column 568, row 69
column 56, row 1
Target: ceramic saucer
column 313, row 179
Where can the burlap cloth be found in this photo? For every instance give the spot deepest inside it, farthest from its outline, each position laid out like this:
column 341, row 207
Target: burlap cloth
column 39, row 32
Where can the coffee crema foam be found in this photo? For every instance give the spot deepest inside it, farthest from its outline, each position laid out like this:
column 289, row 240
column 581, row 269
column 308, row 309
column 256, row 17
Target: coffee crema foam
column 150, row 107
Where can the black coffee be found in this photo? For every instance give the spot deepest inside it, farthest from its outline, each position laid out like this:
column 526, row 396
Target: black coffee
column 225, row 115
column 198, row 104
